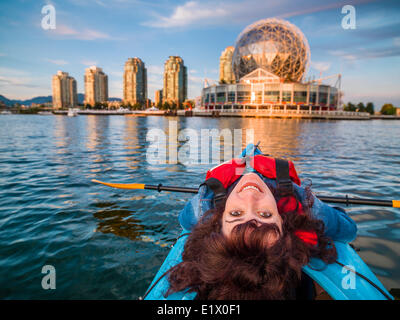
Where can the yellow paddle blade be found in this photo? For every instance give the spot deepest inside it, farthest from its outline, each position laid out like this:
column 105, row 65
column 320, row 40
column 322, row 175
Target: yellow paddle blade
column 396, row 203
column 121, row 185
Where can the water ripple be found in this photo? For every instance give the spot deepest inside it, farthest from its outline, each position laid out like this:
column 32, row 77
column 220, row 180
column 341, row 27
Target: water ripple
column 108, row 244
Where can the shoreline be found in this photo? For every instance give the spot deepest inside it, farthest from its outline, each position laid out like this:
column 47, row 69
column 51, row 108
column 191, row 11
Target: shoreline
column 277, row 114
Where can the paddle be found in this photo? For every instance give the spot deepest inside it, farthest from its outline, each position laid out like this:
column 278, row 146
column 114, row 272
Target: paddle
column 346, row 200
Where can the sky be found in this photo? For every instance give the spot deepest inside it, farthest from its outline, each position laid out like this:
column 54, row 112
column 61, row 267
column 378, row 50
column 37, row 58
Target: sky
column 107, row 32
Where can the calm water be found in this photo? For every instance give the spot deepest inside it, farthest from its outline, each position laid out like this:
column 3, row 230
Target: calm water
column 108, row 244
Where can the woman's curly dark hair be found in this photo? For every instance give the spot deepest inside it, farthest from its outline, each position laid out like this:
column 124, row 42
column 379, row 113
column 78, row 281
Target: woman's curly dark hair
column 240, row 268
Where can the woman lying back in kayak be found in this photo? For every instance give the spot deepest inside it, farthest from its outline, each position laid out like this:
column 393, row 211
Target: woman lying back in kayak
column 252, row 234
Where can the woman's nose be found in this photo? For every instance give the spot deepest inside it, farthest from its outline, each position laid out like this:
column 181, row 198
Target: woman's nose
column 258, row 222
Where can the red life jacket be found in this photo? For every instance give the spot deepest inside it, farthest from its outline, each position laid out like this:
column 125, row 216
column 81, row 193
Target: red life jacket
column 222, row 176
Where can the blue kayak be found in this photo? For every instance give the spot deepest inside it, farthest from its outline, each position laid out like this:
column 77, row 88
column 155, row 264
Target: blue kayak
column 348, row 279
column 336, row 280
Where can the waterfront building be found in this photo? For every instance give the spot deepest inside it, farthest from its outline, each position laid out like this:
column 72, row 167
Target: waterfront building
column 64, row 91
column 135, row 82
column 225, row 66
column 175, row 80
column 269, row 63
column 158, row 97
column 113, row 105
column 96, row 86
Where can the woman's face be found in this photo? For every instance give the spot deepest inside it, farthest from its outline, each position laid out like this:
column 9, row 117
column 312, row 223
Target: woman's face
column 251, row 199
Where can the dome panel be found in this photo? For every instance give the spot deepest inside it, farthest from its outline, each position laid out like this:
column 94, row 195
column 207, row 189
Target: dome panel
column 274, row 45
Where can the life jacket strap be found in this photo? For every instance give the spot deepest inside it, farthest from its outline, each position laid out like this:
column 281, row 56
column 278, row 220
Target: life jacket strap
column 219, row 190
column 283, row 181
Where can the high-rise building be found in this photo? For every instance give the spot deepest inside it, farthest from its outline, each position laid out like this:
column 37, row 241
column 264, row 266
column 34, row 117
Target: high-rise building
column 64, row 91
column 226, row 74
column 175, row 80
column 135, row 82
column 96, row 86
column 158, row 96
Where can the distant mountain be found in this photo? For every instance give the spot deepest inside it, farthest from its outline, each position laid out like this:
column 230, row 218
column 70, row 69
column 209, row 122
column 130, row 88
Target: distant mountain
column 42, row 99
column 6, row 101
column 81, row 97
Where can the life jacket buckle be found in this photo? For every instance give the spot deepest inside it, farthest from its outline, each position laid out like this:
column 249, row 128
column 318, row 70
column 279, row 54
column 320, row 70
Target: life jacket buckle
column 285, row 187
column 219, row 200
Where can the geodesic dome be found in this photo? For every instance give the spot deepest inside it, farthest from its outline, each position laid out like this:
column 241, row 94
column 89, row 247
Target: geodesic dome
column 274, row 45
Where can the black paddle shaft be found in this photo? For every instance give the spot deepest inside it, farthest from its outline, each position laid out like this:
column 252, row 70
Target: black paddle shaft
column 345, row 200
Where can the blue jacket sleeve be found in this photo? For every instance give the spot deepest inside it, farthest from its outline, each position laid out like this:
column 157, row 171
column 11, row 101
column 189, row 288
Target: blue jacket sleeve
column 338, row 225
column 195, row 208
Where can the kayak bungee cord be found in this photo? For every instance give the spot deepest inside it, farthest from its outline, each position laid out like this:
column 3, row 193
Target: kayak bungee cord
column 164, row 274
column 365, row 278
column 345, row 200
column 337, row 262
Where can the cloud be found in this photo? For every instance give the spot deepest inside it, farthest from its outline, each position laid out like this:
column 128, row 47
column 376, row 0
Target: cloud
column 16, row 78
column 153, row 69
column 321, row 66
column 364, row 53
column 119, row 74
column 89, row 63
column 59, row 62
column 195, row 79
column 191, row 12
column 204, row 13
column 86, row 34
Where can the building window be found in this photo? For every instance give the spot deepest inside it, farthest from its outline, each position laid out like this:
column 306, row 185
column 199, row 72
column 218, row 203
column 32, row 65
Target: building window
column 286, row 96
column 256, row 97
column 221, row 97
column 231, row 96
column 313, row 97
column 243, row 96
column 300, row 96
column 333, row 100
column 323, row 98
column 212, row 98
column 271, row 96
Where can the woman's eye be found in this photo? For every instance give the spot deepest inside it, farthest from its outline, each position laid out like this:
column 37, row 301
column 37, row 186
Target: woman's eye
column 235, row 213
column 265, row 214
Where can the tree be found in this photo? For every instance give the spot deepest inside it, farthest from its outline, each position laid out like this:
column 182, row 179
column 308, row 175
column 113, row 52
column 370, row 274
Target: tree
column 370, row 108
column 166, row 106
column 349, row 107
column 360, row 107
column 388, row 109
column 137, row 106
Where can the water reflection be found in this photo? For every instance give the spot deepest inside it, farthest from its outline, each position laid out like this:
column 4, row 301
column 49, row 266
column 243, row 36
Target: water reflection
column 131, row 139
column 119, row 222
column 51, row 203
column 97, row 132
column 381, row 256
column 97, row 139
column 122, row 223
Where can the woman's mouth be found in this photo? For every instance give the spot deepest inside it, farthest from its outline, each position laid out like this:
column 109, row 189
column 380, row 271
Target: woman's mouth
column 250, row 186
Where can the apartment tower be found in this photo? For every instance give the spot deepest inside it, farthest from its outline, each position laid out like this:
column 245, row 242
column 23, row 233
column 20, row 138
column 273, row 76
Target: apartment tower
column 96, row 86
column 226, row 74
column 64, row 91
column 135, row 82
column 158, row 96
column 175, row 80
